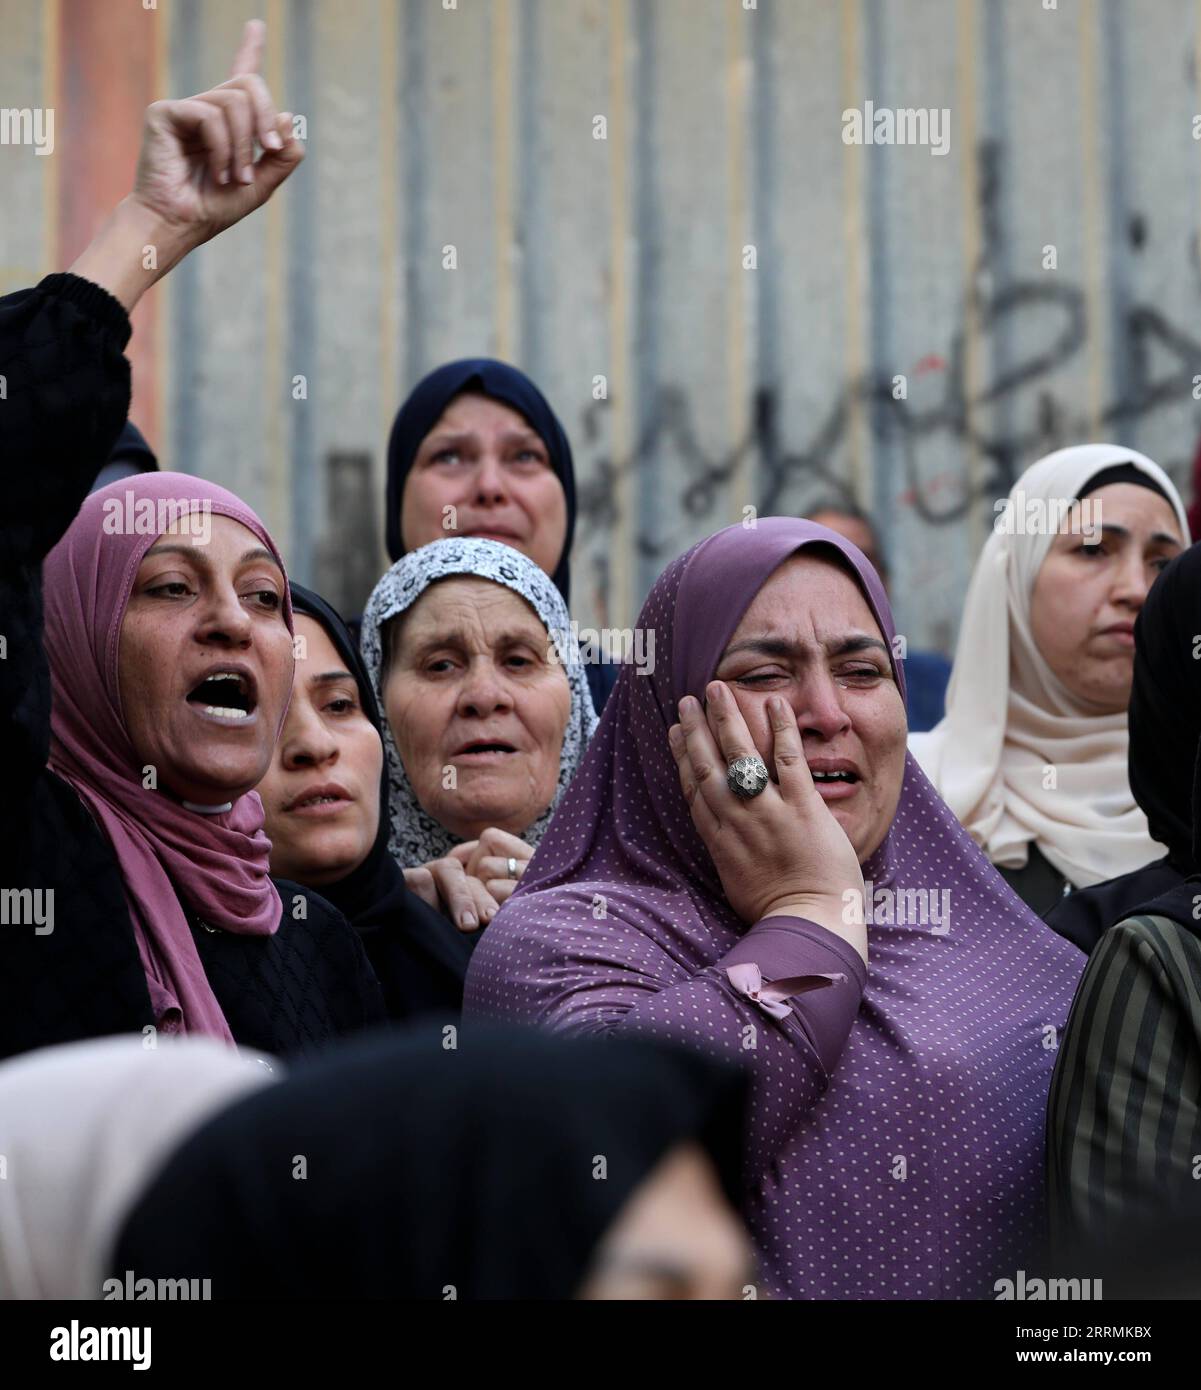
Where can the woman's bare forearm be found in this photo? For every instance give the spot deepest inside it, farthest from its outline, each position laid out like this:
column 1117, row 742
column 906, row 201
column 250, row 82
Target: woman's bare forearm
column 132, row 250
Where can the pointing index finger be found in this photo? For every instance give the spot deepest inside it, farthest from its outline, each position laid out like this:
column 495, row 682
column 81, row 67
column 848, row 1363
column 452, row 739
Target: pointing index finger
column 250, row 51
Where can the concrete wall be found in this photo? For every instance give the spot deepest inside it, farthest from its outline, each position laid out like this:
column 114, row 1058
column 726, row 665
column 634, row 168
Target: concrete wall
column 1070, row 126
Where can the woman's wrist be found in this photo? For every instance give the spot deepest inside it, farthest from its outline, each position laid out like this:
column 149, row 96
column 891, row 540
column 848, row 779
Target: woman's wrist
column 843, row 915
column 132, row 250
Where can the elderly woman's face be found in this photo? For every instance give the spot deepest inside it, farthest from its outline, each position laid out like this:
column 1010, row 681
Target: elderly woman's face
column 321, row 795
column 205, row 662
column 810, row 637
column 484, row 471
column 477, row 707
column 1088, row 593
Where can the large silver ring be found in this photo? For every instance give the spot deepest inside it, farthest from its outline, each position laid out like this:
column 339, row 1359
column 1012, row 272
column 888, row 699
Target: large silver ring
column 747, row 777
column 511, row 865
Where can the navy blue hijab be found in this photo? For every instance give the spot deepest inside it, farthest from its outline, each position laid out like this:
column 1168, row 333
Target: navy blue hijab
column 423, row 409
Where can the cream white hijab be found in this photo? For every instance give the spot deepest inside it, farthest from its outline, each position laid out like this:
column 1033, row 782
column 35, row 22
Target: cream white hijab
column 84, row 1128
column 1009, row 717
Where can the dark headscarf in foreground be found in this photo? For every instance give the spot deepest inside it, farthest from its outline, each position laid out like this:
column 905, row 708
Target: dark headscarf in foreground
column 620, row 926
column 1165, row 734
column 424, row 408
column 421, row 960
column 433, row 1171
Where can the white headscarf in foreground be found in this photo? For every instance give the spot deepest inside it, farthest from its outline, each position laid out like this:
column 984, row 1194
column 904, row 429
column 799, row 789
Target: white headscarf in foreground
column 84, row 1129
column 416, row 836
column 1009, row 717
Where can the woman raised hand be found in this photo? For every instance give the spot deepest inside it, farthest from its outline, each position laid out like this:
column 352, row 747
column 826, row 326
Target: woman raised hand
column 197, row 165
column 780, row 852
column 197, row 175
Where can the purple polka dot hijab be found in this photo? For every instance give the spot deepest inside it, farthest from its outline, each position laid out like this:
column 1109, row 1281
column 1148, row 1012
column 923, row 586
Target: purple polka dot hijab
column 901, row 1157
column 416, row 836
column 693, row 609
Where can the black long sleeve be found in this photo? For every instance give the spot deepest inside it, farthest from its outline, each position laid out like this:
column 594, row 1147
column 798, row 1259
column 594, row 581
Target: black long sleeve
column 63, row 400
column 65, row 396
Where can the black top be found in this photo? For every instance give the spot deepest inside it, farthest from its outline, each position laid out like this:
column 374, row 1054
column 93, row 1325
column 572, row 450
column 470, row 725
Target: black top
column 1038, row 883
column 61, row 352
column 1085, row 914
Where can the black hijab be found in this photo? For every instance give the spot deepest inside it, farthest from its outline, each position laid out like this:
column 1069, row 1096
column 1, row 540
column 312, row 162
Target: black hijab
column 129, row 456
column 423, row 409
column 430, row 1167
column 1170, row 723
column 420, row 958
column 1165, row 734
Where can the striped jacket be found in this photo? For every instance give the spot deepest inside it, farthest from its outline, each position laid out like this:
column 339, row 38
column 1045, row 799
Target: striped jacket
column 1124, row 1112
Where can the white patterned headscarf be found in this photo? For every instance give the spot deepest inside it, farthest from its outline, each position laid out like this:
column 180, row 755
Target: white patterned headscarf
column 416, row 836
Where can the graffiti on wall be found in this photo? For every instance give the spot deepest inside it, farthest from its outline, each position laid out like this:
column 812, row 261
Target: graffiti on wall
column 1024, row 331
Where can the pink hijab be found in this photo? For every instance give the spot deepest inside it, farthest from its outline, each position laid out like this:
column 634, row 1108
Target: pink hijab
column 217, row 863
